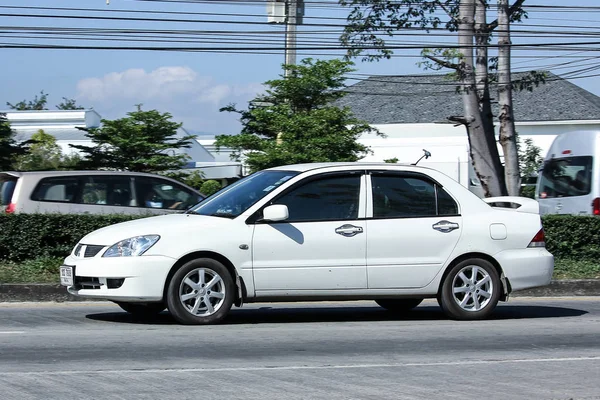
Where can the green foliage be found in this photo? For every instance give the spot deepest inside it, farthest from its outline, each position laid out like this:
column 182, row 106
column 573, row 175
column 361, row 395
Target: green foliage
column 9, row 149
column 39, row 270
column 392, row 160
column 68, row 104
column 530, row 159
column 566, row 268
column 210, row 187
column 139, row 142
column 44, row 154
column 193, row 179
column 294, row 121
column 573, row 237
column 30, row 236
column 38, row 103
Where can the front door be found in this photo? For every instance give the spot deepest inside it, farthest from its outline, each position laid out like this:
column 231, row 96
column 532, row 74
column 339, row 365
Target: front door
column 322, row 245
column 414, row 227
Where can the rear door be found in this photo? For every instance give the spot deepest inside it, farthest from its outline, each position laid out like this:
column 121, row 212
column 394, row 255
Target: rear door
column 413, row 226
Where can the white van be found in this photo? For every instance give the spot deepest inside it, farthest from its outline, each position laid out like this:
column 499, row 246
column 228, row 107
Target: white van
column 93, row 192
column 569, row 181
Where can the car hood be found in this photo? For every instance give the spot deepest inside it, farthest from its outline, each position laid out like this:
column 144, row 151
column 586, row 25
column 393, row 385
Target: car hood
column 161, row 225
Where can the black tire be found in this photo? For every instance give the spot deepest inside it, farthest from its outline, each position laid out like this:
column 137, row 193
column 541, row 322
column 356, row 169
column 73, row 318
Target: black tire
column 469, row 302
column 182, row 310
column 142, row 310
column 399, row 305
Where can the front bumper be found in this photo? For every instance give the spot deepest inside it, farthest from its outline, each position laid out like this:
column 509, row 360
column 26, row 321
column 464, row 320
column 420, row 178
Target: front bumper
column 143, row 278
column 526, row 268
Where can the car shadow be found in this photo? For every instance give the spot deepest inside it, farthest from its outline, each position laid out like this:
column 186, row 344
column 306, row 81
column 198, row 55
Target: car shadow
column 319, row 314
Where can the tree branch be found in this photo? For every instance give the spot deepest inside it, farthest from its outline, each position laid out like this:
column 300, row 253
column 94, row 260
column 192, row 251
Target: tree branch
column 443, row 63
column 512, row 9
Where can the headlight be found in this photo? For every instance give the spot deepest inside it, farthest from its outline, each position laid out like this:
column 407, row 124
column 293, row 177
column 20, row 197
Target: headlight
column 135, row 246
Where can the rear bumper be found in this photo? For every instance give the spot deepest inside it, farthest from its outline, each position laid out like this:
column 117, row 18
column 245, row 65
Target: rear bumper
column 526, row 268
column 143, row 277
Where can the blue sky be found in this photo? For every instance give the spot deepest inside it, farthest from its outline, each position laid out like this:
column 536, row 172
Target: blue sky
column 193, row 85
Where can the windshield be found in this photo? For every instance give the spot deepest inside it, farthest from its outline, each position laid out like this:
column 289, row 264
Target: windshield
column 566, row 177
column 238, row 197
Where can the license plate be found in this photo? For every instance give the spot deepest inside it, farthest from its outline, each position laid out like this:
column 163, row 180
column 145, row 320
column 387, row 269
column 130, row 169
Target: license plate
column 67, row 276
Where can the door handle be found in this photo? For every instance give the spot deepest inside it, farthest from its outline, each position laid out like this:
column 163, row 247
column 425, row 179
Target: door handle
column 348, row 230
column 445, row 226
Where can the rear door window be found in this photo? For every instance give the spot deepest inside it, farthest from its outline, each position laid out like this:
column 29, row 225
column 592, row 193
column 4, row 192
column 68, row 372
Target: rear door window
column 108, row 190
column 7, row 188
column 566, row 177
column 59, row 189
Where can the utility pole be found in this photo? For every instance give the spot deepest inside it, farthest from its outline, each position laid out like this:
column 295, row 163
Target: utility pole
column 290, row 33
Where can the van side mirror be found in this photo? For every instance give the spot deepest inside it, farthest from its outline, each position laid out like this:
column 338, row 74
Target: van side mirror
column 276, row 212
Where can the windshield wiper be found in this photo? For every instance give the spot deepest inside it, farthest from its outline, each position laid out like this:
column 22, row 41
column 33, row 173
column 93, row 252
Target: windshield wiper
column 223, row 215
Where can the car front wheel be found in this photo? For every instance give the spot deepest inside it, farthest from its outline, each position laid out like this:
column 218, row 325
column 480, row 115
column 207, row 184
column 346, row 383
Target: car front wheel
column 471, row 290
column 201, row 292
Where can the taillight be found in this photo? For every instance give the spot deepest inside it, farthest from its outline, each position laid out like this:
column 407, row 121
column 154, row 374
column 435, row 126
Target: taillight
column 10, row 208
column 596, row 206
column 539, row 240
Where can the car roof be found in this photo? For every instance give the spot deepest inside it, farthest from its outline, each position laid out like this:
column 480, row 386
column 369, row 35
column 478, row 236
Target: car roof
column 367, row 165
column 78, row 173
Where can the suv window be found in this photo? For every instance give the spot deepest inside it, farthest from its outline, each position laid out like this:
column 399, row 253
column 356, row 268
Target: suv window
column 60, row 189
column 566, row 177
column 325, row 199
column 109, row 190
column 7, row 188
column 396, row 196
column 161, row 193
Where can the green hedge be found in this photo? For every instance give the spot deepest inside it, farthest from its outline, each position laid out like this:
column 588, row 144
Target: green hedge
column 31, row 236
column 573, row 237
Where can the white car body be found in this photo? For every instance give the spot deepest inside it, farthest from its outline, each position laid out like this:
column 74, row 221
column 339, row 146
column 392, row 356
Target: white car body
column 286, row 261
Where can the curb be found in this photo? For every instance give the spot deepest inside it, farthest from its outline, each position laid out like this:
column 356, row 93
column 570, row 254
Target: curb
column 34, row 292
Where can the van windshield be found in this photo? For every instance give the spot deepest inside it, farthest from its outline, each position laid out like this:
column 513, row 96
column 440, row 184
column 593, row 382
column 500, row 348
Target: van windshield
column 566, row 177
column 7, row 187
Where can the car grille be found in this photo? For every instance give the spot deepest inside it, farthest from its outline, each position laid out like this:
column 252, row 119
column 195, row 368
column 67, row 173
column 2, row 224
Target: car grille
column 91, row 250
column 86, row 282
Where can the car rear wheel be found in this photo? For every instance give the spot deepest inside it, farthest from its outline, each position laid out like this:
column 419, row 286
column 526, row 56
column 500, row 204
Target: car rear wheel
column 201, row 292
column 471, row 290
column 398, row 305
column 144, row 310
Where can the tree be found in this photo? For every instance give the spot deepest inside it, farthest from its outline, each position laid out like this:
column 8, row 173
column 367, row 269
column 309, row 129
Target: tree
column 69, row 104
column 139, row 142
column 9, row 149
column 530, row 160
column 210, row 187
column 44, row 154
column 294, row 121
column 38, row 103
column 369, row 22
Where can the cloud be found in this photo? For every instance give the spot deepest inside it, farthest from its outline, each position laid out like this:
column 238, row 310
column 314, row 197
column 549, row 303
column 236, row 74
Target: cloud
column 192, row 98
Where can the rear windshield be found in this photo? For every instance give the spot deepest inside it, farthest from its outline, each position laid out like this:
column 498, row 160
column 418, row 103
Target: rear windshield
column 566, row 177
column 7, row 187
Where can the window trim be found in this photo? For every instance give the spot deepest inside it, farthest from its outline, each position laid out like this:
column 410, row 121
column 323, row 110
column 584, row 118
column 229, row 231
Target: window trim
column 256, row 217
column 407, row 174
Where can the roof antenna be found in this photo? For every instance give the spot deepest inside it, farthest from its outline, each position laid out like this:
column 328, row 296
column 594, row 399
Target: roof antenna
column 426, row 155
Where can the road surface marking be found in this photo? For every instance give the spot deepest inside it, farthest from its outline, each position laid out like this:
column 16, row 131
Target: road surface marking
column 304, row 367
column 11, row 332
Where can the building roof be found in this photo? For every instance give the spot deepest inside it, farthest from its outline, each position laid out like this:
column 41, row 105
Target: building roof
column 433, row 98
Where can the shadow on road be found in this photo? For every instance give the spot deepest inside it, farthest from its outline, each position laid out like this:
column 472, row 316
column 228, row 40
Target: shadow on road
column 319, row 313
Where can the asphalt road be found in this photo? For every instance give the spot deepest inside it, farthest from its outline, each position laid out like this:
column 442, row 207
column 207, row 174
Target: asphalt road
column 534, row 348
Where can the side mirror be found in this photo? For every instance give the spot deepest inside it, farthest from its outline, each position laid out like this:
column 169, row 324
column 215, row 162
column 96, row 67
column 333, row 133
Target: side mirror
column 276, row 212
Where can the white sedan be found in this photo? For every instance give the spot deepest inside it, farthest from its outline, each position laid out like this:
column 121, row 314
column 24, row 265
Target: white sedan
column 392, row 233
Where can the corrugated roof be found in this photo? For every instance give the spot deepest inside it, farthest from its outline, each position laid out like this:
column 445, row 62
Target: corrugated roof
column 433, row 98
